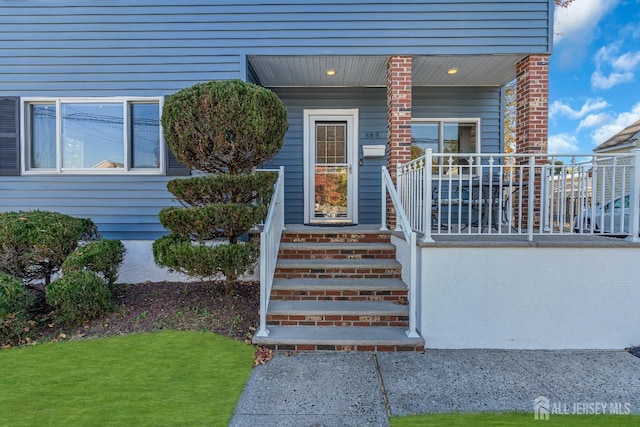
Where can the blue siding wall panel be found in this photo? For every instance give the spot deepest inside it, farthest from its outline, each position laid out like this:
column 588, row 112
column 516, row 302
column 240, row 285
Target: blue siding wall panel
column 123, row 207
column 126, row 207
column 428, row 102
column 133, row 47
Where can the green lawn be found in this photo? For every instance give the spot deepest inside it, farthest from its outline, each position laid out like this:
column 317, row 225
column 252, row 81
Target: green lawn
column 164, row 378
column 514, row 419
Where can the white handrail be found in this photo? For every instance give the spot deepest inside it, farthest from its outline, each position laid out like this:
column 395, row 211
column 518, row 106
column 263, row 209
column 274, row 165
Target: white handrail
column 410, row 239
column 519, row 194
column 269, row 247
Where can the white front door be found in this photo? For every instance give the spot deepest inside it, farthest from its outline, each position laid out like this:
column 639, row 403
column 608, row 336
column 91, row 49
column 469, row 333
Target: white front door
column 331, row 166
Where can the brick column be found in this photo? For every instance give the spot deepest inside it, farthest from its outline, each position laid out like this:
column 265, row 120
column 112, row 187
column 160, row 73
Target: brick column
column 532, row 111
column 398, row 119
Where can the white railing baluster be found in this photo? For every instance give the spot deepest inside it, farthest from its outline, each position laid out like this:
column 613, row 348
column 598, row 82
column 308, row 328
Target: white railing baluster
column 496, row 193
column 634, row 196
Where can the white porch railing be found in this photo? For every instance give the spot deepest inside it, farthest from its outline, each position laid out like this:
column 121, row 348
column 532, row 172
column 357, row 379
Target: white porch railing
column 521, row 194
column 411, row 241
column 269, row 246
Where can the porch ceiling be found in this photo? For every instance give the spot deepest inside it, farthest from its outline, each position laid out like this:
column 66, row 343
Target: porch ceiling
column 292, row 71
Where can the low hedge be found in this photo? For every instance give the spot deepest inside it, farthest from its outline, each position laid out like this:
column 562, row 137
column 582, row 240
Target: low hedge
column 14, row 297
column 15, row 302
column 100, row 256
column 79, row 296
column 34, row 244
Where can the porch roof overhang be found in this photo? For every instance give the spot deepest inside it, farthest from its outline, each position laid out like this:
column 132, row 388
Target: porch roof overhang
column 370, row 71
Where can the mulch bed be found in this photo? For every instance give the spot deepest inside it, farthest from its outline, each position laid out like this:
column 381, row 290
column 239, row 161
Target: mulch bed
column 148, row 307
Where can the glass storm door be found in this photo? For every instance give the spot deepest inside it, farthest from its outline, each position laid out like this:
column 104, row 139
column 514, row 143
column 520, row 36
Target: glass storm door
column 331, row 170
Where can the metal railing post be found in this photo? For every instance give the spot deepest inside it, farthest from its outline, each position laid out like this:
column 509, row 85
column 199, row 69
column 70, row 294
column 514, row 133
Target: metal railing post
column 427, row 195
column 281, row 198
column 399, row 189
column 264, row 255
column 634, row 196
column 413, row 279
column 383, row 225
column 531, row 198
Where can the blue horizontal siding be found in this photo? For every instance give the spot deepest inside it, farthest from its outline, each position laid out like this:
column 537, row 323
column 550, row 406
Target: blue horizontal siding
column 127, row 207
column 428, row 102
column 123, row 207
column 53, row 47
column 463, row 102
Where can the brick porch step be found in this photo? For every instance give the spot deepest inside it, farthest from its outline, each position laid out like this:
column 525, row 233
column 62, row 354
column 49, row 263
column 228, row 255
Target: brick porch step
column 334, row 269
column 301, row 234
column 337, row 313
column 376, row 250
column 339, row 290
column 316, row 338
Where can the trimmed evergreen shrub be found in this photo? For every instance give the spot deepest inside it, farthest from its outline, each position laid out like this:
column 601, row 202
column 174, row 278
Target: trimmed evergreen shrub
column 79, row 296
column 34, row 244
column 100, row 256
column 226, row 129
column 209, row 189
column 14, row 297
column 15, row 301
column 205, row 261
column 15, row 330
column 224, row 126
column 214, row 221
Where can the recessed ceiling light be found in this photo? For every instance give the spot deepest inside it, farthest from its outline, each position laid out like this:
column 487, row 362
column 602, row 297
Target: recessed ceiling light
column 452, row 71
column 330, row 72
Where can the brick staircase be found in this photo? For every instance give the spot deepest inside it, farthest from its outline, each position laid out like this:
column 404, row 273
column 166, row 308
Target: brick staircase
column 340, row 289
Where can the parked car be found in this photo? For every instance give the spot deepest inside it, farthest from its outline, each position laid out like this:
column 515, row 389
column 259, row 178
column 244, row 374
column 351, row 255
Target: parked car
column 612, row 217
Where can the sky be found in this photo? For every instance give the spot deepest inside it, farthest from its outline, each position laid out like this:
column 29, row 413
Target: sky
column 594, row 73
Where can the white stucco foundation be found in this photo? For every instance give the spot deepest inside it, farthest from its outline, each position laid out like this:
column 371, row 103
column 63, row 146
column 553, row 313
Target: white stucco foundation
column 529, row 296
column 138, row 266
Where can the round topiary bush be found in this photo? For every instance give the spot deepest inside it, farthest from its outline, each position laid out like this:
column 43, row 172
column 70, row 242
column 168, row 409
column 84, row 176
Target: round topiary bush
column 34, row 244
column 14, row 297
column 100, row 256
column 79, row 296
column 224, row 126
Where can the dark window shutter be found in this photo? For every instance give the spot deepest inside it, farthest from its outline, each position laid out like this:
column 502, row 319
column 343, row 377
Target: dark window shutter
column 9, row 136
column 174, row 167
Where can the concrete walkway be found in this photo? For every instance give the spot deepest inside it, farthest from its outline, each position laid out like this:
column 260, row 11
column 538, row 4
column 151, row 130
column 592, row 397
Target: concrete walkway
column 339, row 389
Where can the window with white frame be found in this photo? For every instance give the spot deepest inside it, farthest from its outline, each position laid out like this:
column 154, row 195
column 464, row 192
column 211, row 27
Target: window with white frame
column 454, row 136
column 92, row 135
column 445, row 136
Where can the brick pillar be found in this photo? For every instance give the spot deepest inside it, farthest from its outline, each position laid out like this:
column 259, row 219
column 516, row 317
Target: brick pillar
column 532, row 111
column 398, row 119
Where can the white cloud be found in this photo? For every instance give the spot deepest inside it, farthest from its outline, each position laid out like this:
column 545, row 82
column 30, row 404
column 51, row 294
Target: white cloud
column 616, row 124
column 559, row 108
column 594, row 120
column 563, row 143
column 613, row 68
column 600, row 81
column 575, row 27
column 627, row 61
column 577, row 22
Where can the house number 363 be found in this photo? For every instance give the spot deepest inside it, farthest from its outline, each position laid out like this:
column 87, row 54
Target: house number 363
column 371, row 135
